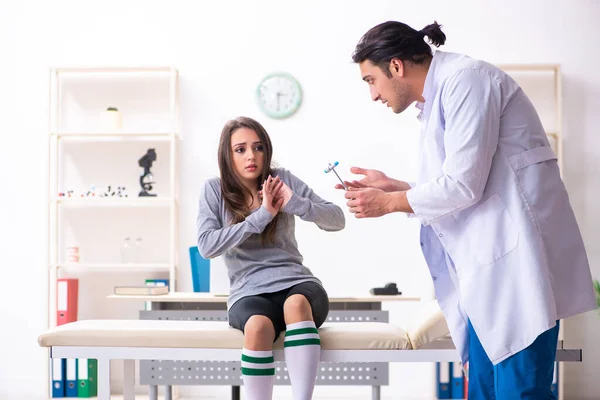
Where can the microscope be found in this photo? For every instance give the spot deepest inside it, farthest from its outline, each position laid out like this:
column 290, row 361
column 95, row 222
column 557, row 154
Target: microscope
column 146, row 179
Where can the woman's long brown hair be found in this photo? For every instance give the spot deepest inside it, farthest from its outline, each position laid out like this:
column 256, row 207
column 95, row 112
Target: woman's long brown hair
column 232, row 189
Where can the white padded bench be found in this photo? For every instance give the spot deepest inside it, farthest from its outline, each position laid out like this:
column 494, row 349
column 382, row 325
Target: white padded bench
column 129, row 340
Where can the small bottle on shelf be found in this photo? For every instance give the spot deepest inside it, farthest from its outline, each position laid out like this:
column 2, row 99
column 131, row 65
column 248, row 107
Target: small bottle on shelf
column 112, row 120
column 73, row 254
column 138, row 250
column 126, row 250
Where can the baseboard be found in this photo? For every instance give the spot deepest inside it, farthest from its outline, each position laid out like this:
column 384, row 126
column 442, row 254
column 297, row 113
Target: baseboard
column 30, row 388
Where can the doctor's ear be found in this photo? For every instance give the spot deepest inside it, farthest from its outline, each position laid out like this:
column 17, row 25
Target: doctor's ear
column 397, row 67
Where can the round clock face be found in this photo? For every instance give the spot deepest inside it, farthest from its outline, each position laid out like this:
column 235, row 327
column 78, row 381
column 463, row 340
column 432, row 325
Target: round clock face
column 279, row 95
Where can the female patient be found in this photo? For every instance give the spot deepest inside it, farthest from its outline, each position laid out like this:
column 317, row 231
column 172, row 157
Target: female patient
column 248, row 217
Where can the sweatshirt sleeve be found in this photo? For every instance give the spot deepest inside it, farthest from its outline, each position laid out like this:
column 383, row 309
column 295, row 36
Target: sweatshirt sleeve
column 309, row 207
column 215, row 239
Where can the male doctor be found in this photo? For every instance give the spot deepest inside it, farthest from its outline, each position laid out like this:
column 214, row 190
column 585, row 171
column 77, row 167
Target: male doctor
column 498, row 233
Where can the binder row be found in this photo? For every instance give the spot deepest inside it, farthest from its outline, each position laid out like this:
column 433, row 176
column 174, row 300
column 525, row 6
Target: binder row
column 77, row 377
column 71, row 377
column 453, row 384
column 74, row 377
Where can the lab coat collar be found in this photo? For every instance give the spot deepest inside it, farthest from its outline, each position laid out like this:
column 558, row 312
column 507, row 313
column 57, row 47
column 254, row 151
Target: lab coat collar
column 430, row 85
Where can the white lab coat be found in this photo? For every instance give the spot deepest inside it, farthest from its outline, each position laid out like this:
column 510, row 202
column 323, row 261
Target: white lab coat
column 489, row 187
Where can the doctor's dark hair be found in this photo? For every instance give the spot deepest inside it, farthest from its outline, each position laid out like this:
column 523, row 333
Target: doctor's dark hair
column 233, row 192
column 394, row 39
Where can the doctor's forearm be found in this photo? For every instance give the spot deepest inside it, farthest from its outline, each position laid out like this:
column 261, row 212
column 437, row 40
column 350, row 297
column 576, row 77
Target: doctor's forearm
column 399, row 203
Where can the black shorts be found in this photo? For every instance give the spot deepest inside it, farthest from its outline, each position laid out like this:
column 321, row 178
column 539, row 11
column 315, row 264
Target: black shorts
column 271, row 306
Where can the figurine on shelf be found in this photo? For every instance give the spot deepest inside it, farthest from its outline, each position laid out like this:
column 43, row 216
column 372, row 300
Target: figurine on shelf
column 121, row 192
column 91, row 192
column 110, row 192
column 147, row 179
column 112, row 120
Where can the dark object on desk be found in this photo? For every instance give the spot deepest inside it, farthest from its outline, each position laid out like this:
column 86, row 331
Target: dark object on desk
column 389, row 289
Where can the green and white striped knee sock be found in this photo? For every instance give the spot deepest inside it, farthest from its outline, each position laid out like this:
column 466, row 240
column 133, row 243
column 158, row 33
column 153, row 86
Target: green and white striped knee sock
column 258, row 374
column 302, row 349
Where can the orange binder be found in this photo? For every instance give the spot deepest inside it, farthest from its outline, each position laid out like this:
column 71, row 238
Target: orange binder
column 66, row 300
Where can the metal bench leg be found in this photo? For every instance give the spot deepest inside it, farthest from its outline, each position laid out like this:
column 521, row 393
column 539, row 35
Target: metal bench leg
column 103, row 379
column 152, row 392
column 235, row 393
column 168, row 392
column 128, row 379
column 375, row 392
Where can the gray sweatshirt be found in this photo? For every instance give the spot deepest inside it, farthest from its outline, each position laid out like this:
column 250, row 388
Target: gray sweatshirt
column 254, row 268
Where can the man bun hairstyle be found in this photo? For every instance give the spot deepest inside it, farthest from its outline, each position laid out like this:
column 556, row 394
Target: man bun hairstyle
column 434, row 33
column 393, row 39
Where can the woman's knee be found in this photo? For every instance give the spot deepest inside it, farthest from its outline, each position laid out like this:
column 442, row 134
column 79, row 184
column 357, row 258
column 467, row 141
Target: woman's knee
column 259, row 327
column 297, row 308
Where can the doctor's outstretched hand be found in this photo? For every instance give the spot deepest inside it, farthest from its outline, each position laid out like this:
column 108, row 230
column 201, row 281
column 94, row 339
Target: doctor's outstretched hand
column 374, row 179
column 368, row 202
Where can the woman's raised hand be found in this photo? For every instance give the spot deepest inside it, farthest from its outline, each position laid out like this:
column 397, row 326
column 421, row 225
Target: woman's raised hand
column 272, row 200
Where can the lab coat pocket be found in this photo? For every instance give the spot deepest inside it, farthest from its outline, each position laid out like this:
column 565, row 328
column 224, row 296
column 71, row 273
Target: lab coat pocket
column 530, row 157
column 489, row 232
column 538, row 178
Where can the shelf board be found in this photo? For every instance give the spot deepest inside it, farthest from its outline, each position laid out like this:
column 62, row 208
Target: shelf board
column 113, row 266
column 114, row 136
column 529, row 67
column 113, row 201
column 142, row 70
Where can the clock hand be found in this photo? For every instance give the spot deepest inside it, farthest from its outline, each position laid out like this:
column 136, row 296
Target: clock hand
column 278, row 96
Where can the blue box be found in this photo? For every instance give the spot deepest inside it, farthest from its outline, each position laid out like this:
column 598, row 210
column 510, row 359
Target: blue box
column 200, row 271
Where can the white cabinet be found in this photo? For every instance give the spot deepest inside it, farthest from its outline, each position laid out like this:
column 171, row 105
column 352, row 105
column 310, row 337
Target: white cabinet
column 92, row 146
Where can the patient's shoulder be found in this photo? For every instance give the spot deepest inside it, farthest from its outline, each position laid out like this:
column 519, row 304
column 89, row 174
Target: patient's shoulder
column 213, row 183
column 286, row 175
column 280, row 171
column 211, row 188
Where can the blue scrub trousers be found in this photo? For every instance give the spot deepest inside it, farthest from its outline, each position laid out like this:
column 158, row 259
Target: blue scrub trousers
column 525, row 375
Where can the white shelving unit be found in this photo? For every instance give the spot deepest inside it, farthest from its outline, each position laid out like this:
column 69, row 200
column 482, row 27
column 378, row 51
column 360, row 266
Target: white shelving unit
column 89, row 88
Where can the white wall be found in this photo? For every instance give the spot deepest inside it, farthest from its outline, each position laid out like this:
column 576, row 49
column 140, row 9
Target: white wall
column 222, row 49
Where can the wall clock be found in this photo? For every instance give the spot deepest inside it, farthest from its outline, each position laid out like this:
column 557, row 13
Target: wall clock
column 279, row 95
